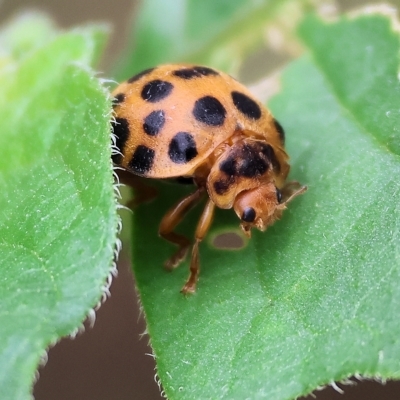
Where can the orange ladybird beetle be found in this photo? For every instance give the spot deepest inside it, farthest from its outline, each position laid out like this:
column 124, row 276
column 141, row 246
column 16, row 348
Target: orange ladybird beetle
column 187, row 121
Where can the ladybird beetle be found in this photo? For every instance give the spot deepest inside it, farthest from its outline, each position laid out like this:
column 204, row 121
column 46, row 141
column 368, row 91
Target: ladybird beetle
column 187, row 121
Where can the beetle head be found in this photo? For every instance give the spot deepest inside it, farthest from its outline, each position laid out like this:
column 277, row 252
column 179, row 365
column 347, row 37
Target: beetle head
column 262, row 206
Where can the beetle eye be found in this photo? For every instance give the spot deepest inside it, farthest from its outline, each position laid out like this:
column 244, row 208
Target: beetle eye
column 249, row 214
column 278, row 195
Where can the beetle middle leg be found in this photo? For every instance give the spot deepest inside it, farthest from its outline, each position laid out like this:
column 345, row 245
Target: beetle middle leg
column 171, row 219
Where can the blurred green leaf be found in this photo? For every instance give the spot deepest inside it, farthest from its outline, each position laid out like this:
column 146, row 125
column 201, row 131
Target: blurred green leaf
column 315, row 298
column 57, row 206
column 25, row 33
column 217, row 33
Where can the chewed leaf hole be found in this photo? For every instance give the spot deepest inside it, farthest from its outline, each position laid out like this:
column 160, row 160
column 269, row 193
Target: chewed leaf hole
column 229, row 240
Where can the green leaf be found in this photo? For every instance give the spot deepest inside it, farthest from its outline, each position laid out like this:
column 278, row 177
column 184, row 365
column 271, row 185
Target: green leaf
column 57, row 206
column 315, row 298
column 23, row 34
column 217, row 33
column 355, row 84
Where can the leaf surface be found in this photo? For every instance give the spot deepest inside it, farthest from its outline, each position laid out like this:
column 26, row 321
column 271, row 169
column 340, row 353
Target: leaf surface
column 315, row 298
column 57, row 206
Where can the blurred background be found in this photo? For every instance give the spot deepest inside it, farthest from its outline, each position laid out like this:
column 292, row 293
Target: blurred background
column 112, row 360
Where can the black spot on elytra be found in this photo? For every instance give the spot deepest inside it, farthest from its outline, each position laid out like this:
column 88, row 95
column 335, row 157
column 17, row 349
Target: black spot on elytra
column 156, row 90
column 154, row 122
column 186, row 73
column 182, row 148
column 195, row 72
column 205, row 70
column 139, row 75
column 121, row 131
column 249, row 214
column 280, row 130
column 142, row 160
column 246, row 105
column 119, row 98
column 209, row 111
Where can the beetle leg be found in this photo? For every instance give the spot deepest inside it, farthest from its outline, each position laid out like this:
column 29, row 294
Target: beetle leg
column 171, row 219
column 202, row 228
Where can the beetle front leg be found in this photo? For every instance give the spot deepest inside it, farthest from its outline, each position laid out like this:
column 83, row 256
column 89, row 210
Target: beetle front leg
column 202, row 228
